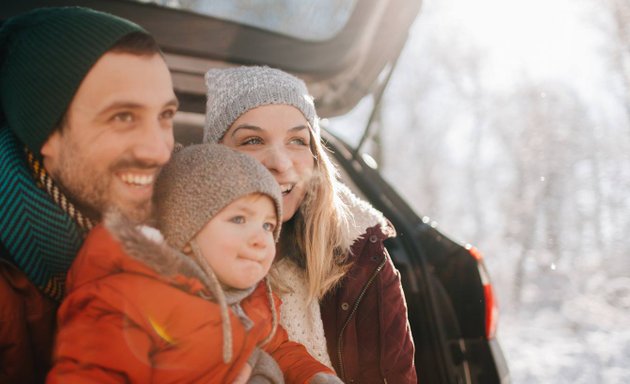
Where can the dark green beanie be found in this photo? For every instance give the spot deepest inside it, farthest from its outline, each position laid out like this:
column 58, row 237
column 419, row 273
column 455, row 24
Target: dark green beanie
column 44, row 56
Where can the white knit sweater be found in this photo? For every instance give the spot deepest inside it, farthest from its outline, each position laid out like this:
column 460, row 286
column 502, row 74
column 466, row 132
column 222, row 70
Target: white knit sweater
column 302, row 322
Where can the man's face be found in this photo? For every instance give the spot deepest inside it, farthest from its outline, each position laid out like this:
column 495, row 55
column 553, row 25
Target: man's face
column 117, row 135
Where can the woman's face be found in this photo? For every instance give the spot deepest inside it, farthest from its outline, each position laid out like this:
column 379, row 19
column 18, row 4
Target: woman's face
column 279, row 137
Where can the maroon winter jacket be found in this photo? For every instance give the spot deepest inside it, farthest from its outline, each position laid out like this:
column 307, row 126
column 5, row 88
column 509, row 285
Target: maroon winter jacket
column 27, row 323
column 365, row 318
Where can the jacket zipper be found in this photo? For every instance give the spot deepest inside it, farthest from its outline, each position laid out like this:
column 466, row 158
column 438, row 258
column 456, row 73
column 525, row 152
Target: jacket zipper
column 354, row 309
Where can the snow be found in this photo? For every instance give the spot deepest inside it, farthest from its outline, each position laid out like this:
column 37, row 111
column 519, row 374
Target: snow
column 506, row 122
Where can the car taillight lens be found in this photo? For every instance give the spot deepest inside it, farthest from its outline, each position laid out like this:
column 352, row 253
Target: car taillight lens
column 492, row 310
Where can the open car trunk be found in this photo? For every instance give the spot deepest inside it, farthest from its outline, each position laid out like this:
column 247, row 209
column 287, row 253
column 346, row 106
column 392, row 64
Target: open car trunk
column 348, row 57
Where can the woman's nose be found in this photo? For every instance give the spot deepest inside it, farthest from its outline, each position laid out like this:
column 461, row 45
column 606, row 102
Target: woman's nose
column 277, row 159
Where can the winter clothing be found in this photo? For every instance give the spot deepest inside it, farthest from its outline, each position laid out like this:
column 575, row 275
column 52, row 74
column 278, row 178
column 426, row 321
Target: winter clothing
column 234, row 91
column 38, row 241
column 41, row 239
column 202, row 179
column 300, row 317
column 27, row 323
column 265, row 369
column 192, row 188
column 365, row 317
column 44, row 56
column 139, row 311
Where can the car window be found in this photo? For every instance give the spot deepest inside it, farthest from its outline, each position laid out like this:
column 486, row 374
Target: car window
column 312, row 20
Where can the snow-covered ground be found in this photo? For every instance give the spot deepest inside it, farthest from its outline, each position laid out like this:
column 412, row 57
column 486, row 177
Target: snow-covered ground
column 582, row 340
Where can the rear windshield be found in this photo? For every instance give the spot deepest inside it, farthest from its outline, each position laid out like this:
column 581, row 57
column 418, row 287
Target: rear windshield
column 312, row 20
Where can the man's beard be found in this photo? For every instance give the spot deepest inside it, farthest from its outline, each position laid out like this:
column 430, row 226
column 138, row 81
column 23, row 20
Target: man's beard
column 91, row 190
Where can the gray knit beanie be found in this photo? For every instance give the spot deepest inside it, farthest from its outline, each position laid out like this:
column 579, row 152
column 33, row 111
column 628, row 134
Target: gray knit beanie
column 202, row 179
column 44, row 56
column 234, row 91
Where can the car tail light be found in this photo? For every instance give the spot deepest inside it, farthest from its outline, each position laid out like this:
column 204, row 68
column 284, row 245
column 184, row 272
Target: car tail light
column 492, row 310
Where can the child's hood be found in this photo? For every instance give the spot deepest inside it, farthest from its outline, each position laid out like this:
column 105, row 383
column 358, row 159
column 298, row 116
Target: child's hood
column 118, row 246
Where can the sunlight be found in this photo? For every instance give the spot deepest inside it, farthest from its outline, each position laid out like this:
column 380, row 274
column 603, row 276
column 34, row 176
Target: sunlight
column 538, row 38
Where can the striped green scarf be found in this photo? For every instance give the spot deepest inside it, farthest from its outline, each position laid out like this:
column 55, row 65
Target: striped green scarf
column 41, row 237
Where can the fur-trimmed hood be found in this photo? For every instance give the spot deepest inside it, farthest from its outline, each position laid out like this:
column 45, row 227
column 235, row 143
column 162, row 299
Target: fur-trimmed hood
column 362, row 215
column 151, row 326
column 147, row 245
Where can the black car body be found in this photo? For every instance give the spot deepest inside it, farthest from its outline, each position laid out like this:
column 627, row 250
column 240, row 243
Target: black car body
column 450, row 300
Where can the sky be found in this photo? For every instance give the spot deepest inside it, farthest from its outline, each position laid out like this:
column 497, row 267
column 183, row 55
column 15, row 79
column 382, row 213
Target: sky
column 541, row 39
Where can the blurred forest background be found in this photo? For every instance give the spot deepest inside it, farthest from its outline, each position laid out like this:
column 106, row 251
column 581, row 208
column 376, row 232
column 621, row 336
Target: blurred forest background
column 513, row 120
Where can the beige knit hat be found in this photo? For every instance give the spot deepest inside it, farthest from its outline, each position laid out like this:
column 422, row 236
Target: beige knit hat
column 234, row 91
column 202, row 179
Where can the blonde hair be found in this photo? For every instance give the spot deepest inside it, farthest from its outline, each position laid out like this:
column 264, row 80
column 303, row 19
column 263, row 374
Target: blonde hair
column 320, row 229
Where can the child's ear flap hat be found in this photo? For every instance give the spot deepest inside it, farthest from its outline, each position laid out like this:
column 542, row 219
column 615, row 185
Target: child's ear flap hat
column 201, row 180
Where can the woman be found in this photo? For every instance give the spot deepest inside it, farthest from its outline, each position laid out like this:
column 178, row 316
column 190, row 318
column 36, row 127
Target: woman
column 341, row 294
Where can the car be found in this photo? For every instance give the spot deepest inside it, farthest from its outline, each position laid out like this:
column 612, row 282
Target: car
column 345, row 51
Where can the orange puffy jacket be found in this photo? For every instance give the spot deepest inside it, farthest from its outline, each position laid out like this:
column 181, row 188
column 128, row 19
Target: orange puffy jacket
column 123, row 322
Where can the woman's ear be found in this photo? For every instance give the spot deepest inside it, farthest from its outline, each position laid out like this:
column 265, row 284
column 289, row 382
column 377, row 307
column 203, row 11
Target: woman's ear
column 187, row 249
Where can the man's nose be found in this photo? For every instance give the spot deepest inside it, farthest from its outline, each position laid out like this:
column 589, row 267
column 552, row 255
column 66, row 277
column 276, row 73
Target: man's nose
column 155, row 144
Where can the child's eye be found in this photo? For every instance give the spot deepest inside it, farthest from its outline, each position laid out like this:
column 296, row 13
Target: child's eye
column 269, row 227
column 238, row 219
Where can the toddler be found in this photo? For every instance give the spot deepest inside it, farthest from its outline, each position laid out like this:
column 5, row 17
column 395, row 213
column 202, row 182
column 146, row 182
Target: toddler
column 189, row 303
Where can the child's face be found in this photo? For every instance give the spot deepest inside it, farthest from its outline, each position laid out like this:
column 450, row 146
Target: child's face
column 238, row 242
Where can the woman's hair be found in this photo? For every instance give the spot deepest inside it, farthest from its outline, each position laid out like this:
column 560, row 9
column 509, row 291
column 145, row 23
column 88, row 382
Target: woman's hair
column 320, row 229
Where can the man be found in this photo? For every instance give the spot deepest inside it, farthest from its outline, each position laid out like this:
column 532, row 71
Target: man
column 85, row 126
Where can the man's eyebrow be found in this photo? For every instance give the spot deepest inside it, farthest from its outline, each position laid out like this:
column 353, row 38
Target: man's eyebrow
column 120, row 105
column 132, row 105
column 174, row 102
